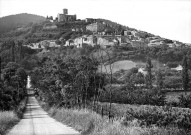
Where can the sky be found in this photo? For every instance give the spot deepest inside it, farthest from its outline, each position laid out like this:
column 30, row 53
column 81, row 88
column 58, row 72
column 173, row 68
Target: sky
column 166, row 18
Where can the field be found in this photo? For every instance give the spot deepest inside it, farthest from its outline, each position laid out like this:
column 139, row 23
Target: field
column 119, row 65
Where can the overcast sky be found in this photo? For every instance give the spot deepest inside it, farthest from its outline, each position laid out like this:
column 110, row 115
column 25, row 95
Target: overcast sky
column 166, row 18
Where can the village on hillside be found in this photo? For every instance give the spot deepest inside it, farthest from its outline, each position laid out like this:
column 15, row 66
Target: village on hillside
column 100, row 33
column 62, row 73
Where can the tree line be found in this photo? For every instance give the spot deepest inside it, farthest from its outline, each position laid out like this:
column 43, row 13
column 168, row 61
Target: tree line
column 13, row 77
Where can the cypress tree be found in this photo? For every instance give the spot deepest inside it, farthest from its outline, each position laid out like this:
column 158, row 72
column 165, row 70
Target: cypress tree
column 149, row 66
column 13, row 51
column 0, row 68
column 185, row 77
column 159, row 79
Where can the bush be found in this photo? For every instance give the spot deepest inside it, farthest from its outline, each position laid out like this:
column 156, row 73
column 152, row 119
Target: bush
column 21, row 108
column 90, row 123
column 185, row 101
column 128, row 95
column 172, row 64
column 161, row 116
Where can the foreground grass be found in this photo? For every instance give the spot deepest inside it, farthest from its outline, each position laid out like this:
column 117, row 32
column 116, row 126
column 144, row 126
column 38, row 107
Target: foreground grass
column 91, row 123
column 7, row 120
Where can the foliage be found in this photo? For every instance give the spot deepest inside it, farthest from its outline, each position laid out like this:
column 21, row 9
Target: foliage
column 172, row 64
column 159, row 80
column 7, row 120
column 13, row 21
column 149, row 66
column 161, row 116
column 185, row 100
column 67, row 81
column 185, row 77
column 13, row 86
column 91, row 123
column 130, row 95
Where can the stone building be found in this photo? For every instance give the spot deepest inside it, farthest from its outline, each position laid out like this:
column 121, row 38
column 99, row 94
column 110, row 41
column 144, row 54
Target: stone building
column 65, row 17
column 90, row 20
column 95, row 27
column 92, row 40
column 83, row 40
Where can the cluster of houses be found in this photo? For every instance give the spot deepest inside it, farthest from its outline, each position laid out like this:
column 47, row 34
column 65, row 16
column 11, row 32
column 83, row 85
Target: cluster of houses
column 92, row 40
column 43, row 44
column 105, row 38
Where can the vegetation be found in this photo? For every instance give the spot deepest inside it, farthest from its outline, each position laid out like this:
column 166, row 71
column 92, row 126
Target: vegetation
column 7, row 120
column 70, row 77
column 13, row 86
column 161, row 116
column 12, row 22
column 185, row 77
column 13, row 79
column 10, row 118
column 91, row 123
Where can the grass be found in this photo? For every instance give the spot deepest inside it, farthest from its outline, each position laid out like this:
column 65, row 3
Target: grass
column 91, row 123
column 119, row 65
column 7, row 120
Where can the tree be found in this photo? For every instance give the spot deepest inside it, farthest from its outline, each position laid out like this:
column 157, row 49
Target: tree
column 149, row 67
column 185, row 77
column 0, row 68
column 12, row 51
column 13, row 86
column 159, row 80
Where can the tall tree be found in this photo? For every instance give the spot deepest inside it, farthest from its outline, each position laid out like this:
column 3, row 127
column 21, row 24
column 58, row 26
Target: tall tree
column 12, row 51
column 185, row 77
column 0, row 68
column 159, row 80
column 149, row 67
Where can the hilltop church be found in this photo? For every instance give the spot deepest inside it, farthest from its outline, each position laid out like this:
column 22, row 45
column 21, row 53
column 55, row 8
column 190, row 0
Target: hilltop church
column 65, row 17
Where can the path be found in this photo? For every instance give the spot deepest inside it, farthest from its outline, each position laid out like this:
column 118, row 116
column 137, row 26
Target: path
column 37, row 122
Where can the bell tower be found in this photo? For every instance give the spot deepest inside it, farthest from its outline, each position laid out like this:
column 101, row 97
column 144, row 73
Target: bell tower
column 65, row 11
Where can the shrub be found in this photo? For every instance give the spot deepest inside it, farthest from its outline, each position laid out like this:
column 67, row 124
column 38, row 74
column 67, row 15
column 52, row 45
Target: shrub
column 128, row 95
column 90, row 123
column 21, row 108
column 172, row 64
column 161, row 116
column 185, row 100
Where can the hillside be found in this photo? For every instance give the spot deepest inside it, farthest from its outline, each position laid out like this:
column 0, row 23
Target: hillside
column 8, row 23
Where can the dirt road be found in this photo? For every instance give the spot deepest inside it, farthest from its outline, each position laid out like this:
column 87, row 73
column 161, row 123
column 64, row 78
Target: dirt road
column 37, row 122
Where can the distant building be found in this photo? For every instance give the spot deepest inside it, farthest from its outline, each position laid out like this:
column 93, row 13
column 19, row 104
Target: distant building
column 142, row 70
column 43, row 44
column 49, row 18
column 95, row 27
column 65, row 17
column 126, row 33
column 178, row 68
column 90, row 20
column 92, row 40
column 80, row 41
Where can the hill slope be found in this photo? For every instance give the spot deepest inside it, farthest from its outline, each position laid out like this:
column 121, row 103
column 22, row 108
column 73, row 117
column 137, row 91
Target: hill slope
column 8, row 23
